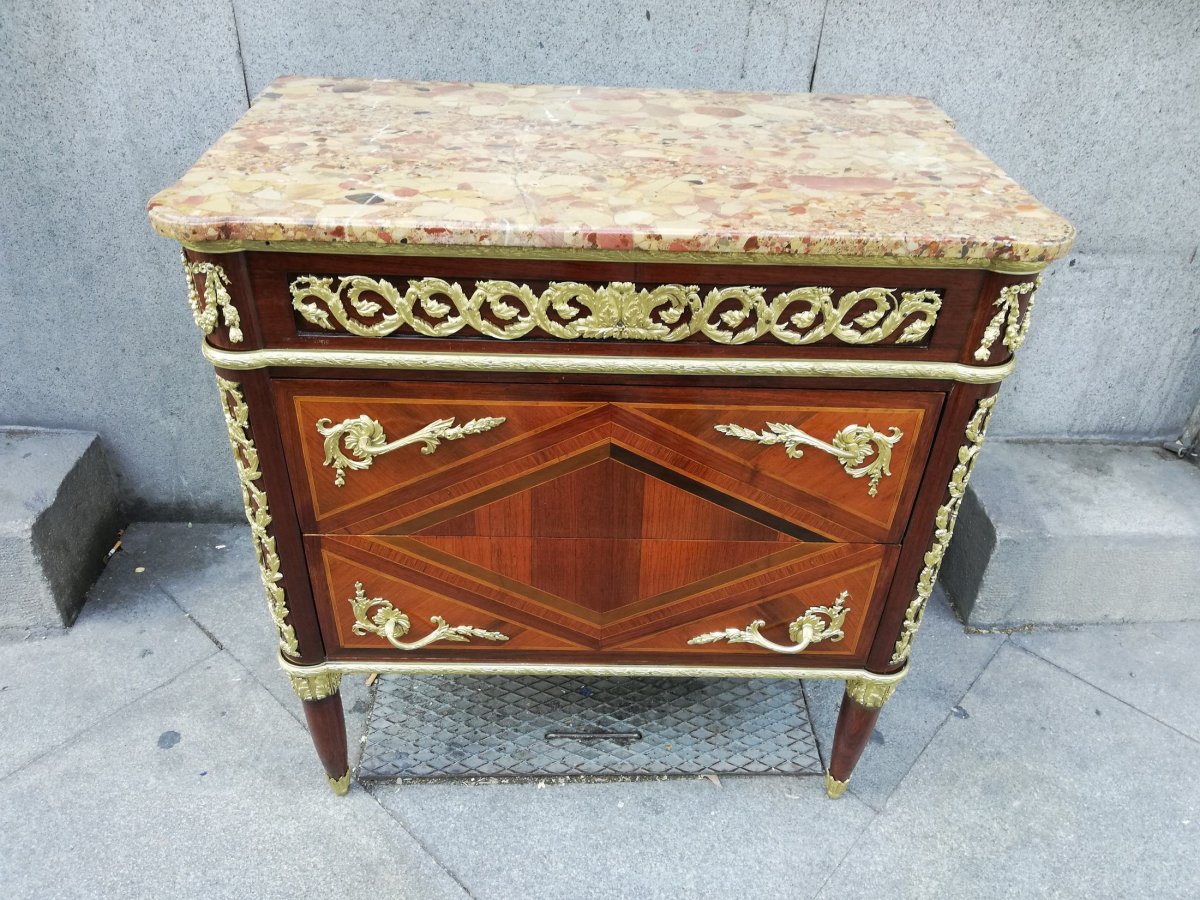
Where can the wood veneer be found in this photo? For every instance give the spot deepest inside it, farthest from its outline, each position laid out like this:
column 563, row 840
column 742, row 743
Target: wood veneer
column 606, row 521
column 668, row 434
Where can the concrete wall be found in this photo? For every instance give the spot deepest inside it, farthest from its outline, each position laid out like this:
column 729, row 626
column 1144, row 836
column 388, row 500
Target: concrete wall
column 1095, row 106
column 104, row 103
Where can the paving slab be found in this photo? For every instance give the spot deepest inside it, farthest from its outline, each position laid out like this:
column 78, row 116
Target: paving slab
column 210, row 570
column 1004, row 775
column 129, row 639
column 1048, row 787
column 744, row 837
column 203, row 787
column 945, row 662
column 1151, row 667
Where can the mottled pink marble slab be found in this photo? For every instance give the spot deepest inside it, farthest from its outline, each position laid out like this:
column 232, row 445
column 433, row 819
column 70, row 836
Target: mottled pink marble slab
column 519, row 166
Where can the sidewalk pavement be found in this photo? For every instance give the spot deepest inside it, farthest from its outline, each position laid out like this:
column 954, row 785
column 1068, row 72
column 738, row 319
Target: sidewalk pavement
column 155, row 750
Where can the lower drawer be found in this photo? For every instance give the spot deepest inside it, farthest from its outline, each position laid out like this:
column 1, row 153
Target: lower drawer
column 521, row 599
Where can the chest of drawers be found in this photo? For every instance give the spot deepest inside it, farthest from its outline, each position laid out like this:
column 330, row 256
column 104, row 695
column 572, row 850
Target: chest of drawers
column 533, row 379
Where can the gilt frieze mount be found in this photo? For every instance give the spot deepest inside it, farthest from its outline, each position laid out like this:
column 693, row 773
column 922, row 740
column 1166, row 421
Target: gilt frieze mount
column 619, row 310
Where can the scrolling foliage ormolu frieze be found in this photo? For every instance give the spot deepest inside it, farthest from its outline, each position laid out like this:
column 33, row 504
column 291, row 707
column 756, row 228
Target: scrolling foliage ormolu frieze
column 619, row 310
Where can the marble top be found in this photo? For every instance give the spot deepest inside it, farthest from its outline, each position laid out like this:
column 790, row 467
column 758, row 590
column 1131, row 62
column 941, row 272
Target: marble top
column 360, row 161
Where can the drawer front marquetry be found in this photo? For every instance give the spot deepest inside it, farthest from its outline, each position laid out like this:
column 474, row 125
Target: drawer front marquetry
column 425, row 598
column 490, row 460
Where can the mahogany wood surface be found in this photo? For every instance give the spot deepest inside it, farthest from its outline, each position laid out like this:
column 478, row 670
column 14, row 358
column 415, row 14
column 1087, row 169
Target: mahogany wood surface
column 855, row 724
column 606, row 520
column 565, row 600
column 550, row 432
column 327, row 725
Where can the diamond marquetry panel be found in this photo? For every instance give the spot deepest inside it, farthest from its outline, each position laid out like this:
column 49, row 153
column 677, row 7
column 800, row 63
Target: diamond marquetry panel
column 338, row 576
column 402, row 472
column 816, row 478
column 610, row 524
column 568, row 466
column 604, row 575
column 607, row 499
column 610, row 614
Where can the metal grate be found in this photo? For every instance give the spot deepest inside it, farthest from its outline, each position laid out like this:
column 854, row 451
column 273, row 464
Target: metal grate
column 437, row 726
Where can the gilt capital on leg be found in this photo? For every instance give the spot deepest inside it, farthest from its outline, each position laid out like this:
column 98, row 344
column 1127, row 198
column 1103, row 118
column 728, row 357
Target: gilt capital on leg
column 317, row 686
column 871, row 694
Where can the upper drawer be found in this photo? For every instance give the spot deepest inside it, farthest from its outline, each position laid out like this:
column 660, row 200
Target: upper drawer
column 371, row 457
column 514, row 306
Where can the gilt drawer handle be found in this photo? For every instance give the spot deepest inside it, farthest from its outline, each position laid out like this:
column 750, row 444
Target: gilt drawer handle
column 852, row 446
column 393, row 624
column 365, row 439
column 810, row 628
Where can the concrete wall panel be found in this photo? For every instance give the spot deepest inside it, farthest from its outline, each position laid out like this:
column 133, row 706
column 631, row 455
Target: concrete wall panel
column 1095, row 107
column 727, row 44
column 105, row 103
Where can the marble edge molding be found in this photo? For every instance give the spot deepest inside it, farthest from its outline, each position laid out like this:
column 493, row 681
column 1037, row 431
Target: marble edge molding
column 588, row 254
column 357, row 667
column 405, row 360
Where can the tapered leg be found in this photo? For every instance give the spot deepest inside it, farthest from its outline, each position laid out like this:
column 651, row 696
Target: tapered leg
column 327, row 724
column 861, row 705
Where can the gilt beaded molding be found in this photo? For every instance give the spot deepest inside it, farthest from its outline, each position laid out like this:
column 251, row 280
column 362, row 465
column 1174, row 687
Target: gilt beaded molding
column 947, row 516
column 217, row 301
column 254, row 498
column 619, row 310
column 623, row 670
column 566, row 364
